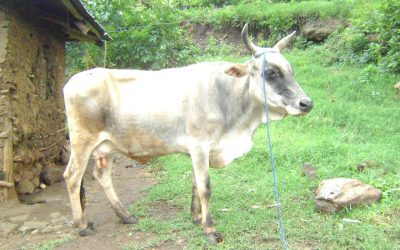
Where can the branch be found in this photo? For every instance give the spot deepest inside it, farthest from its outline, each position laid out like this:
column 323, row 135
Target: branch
column 6, row 184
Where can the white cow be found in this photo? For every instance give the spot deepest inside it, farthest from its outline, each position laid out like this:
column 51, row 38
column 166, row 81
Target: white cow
column 207, row 110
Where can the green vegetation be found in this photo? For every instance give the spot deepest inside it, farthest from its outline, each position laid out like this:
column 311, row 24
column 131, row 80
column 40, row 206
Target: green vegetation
column 147, row 38
column 355, row 119
column 155, row 34
column 280, row 16
column 51, row 244
column 374, row 36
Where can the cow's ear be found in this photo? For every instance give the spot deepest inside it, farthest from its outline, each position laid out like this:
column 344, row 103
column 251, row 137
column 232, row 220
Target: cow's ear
column 237, row 70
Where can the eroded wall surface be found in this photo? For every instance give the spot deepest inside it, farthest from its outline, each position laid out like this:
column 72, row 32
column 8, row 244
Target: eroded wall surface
column 31, row 78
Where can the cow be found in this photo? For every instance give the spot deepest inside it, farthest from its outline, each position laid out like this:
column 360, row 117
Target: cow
column 208, row 111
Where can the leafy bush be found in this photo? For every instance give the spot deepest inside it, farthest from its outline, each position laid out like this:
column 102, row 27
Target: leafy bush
column 143, row 37
column 349, row 46
column 151, row 40
column 388, row 31
column 374, row 38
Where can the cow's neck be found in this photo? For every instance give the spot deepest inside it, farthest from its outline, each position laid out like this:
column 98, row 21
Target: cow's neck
column 242, row 115
column 241, row 110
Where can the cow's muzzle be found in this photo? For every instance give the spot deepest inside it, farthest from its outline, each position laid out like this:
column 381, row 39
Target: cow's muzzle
column 305, row 104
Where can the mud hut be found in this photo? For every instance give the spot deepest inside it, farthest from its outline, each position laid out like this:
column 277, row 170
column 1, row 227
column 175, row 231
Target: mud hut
column 32, row 64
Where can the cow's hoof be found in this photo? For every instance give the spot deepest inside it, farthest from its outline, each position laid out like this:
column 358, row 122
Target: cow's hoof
column 130, row 220
column 196, row 221
column 91, row 225
column 215, row 238
column 87, row 231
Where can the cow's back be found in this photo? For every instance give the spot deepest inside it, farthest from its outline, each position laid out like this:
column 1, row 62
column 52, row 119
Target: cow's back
column 146, row 111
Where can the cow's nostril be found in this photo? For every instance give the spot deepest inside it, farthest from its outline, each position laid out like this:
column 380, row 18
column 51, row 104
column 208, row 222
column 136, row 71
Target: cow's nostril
column 305, row 104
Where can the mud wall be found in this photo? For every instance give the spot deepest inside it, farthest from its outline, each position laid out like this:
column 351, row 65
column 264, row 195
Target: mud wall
column 31, row 79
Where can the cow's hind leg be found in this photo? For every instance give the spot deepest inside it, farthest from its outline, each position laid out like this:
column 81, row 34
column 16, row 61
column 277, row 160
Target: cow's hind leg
column 73, row 176
column 103, row 176
column 200, row 160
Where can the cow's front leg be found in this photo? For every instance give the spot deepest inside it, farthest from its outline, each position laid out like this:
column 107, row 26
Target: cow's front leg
column 200, row 160
column 196, row 206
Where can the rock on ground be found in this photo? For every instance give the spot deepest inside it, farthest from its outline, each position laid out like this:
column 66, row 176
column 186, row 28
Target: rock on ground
column 319, row 31
column 52, row 174
column 335, row 194
column 309, row 170
column 366, row 165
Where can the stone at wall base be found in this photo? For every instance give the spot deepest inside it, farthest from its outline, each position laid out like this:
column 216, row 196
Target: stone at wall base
column 25, row 187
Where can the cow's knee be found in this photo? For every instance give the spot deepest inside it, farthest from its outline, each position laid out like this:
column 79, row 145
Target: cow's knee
column 72, row 177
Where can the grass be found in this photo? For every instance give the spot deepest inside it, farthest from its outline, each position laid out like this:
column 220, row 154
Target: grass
column 264, row 14
column 361, row 10
column 355, row 119
column 51, row 244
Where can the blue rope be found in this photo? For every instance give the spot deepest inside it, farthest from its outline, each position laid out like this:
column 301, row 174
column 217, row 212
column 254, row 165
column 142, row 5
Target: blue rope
column 278, row 206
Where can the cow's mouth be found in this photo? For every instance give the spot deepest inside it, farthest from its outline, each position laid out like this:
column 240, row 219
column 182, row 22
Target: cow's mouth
column 295, row 111
column 300, row 107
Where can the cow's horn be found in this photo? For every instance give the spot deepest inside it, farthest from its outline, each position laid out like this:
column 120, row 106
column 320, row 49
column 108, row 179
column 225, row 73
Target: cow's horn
column 249, row 45
column 284, row 42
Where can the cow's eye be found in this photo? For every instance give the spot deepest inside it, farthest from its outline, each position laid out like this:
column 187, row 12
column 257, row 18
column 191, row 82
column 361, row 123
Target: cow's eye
column 271, row 74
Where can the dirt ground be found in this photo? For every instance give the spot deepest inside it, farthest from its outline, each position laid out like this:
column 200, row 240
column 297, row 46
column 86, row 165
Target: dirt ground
column 51, row 211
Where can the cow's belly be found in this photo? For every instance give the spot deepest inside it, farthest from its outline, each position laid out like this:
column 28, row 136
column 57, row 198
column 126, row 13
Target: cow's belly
column 137, row 148
column 228, row 149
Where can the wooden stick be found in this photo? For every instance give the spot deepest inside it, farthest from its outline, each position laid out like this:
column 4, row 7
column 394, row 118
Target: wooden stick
column 6, row 184
column 51, row 158
column 52, row 145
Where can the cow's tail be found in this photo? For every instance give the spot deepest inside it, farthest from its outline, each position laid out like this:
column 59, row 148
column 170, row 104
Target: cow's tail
column 82, row 196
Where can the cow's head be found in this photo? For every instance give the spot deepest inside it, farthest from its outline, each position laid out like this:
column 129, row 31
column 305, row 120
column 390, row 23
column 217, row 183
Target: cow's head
column 284, row 94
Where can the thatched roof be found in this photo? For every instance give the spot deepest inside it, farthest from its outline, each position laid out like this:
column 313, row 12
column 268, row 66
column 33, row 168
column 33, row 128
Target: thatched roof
column 71, row 17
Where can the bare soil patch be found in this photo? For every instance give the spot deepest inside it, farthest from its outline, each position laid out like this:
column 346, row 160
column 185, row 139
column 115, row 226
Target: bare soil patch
column 202, row 32
column 162, row 210
column 53, row 210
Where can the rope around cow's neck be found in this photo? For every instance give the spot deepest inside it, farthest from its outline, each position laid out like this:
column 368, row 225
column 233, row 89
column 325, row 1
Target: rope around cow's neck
column 278, row 206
